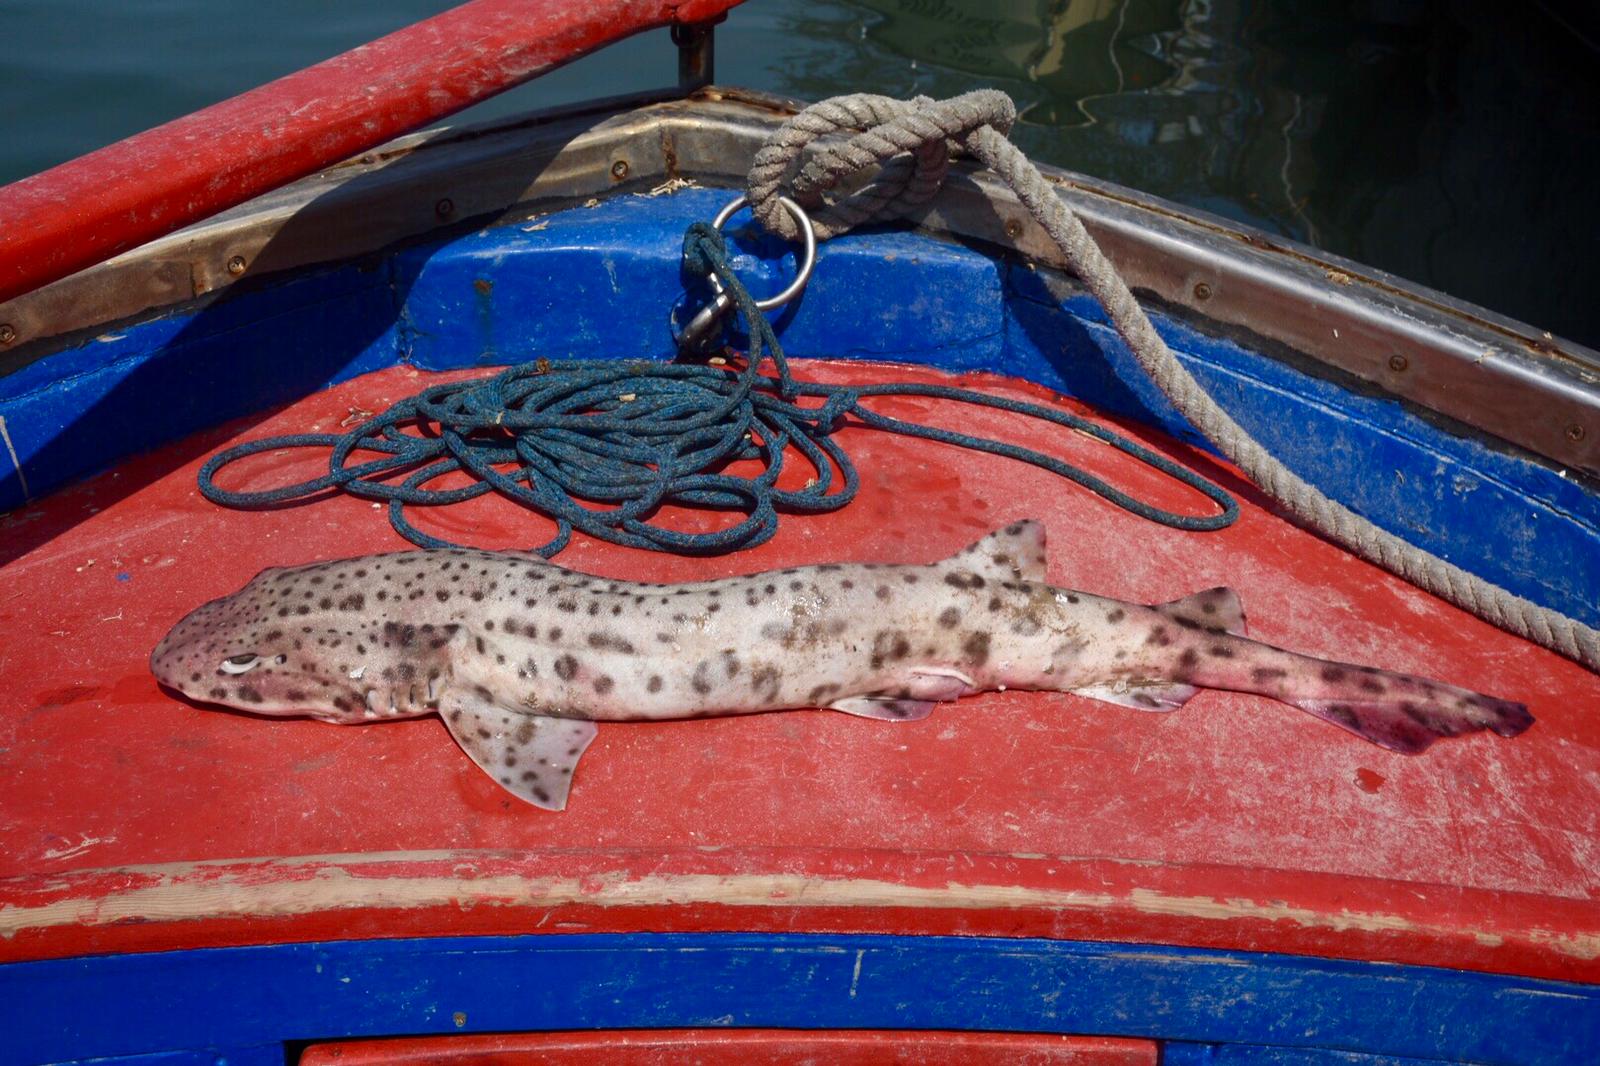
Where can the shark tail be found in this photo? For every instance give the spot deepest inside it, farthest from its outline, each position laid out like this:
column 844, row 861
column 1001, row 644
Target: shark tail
column 1397, row 711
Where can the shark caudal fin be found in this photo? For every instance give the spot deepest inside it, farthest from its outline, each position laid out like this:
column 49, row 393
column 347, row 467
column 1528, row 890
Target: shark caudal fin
column 1397, row 711
column 1012, row 553
column 1411, row 720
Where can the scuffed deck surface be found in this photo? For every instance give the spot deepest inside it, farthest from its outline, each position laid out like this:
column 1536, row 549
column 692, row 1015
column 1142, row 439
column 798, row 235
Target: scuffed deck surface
column 1234, row 822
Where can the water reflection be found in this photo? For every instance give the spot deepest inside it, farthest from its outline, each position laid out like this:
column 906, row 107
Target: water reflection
column 1447, row 143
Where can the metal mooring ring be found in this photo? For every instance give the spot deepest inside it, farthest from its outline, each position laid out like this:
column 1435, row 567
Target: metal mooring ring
column 808, row 260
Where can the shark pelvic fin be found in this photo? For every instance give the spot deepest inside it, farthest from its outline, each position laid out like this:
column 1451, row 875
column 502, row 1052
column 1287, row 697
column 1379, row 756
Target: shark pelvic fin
column 889, row 709
column 531, row 756
column 1158, row 697
column 1216, row 610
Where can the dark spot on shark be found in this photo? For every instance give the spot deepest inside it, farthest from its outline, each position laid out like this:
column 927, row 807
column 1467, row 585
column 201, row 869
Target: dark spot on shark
column 1332, row 673
column 764, row 680
column 1190, row 658
column 950, row 617
column 964, row 579
column 353, row 602
column 611, row 642
column 821, row 693
column 976, row 647
column 1220, row 651
column 1345, row 716
column 441, row 595
column 566, row 668
column 654, row 684
column 604, row 684
column 889, row 645
column 1262, row 674
column 1116, row 616
column 700, row 681
column 1159, row 637
column 249, row 694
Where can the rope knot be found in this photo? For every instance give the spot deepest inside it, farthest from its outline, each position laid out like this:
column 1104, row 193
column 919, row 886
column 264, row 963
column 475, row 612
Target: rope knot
column 910, row 141
column 704, row 249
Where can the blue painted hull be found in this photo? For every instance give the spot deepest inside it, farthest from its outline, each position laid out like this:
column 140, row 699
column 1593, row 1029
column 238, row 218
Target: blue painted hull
column 598, row 282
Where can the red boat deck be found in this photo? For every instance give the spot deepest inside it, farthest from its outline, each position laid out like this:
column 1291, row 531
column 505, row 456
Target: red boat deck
column 133, row 820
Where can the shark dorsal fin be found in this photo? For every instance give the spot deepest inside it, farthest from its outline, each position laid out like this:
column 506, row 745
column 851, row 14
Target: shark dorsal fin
column 1215, row 610
column 1012, row 553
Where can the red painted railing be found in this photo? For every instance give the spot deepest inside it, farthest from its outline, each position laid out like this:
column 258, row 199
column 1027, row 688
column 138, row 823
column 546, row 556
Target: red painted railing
column 85, row 211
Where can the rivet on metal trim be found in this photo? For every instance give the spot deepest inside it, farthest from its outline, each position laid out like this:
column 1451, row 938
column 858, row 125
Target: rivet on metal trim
column 8, row 333
column 1202, row 291
column 445, row 207
column 236, row 265
column 619, row 169
column 1398, row 362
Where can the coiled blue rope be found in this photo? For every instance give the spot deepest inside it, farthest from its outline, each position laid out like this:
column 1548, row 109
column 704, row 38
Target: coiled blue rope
column 633, row 436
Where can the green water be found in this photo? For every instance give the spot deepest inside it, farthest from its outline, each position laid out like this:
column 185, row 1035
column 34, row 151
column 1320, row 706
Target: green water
column 1452, row 144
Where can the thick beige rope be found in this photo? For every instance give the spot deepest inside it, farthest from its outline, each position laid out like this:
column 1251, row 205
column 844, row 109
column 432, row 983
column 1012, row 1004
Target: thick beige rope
column 911, row 142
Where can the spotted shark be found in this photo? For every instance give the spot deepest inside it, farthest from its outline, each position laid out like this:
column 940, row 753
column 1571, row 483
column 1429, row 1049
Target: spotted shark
column 521, row 657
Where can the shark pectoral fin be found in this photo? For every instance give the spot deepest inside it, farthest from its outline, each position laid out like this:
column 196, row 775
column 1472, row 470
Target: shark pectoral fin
column 886, row 708
column 1215, row 609
column 1164, row 697
column 532, row 756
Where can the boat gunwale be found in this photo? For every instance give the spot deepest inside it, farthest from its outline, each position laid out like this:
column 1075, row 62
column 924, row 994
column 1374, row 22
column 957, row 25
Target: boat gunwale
column 1483, row 370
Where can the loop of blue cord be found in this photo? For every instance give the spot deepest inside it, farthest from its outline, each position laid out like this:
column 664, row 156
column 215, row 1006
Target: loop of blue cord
column 550, row 434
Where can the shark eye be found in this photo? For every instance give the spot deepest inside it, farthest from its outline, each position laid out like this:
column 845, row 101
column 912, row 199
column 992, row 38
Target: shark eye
column 239, row 664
